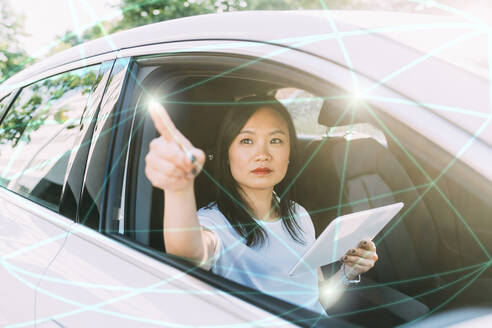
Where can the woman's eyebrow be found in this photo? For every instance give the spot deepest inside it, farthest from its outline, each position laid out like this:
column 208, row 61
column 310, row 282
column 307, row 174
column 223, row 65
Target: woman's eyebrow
column 278, row 131
column 247, row 131
column 273, row 132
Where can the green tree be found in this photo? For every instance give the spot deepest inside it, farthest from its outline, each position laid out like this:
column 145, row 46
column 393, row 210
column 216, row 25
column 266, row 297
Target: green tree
column 12, row 57
column 32, row 111
column 284, row 4
column 71, row 39
column 142, row 12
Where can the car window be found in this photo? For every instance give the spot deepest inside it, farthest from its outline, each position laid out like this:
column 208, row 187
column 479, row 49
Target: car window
column 75, row 182
column 3, row 103
column 38, row 134
column 198, row 111
column 197, row 100
column 304, row 109
column 109, row 120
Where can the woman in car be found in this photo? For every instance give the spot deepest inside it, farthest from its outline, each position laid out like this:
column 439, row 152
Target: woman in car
column 254, row 232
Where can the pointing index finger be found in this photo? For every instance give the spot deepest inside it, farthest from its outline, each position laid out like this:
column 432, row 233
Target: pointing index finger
column 162, row 121
column 167, row 129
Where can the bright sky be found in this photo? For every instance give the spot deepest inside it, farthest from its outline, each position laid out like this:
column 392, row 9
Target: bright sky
column 47, row 19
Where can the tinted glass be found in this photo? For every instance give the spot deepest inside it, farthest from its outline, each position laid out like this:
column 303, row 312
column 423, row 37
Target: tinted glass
column 3, row 103
column 304, row 108
column 77, row 159
column 38, row 134
column 98, row 173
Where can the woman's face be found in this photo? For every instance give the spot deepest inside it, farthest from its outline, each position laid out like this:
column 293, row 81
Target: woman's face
column 259, row 155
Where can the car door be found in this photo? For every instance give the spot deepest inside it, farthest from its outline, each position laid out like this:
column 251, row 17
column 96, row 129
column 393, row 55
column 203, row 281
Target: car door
column 38, row 134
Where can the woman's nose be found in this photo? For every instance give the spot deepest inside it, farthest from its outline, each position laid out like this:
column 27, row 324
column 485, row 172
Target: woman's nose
column 263, row 153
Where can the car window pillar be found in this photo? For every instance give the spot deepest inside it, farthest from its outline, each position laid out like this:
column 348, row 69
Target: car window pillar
column 104, row 170
column 72, row 185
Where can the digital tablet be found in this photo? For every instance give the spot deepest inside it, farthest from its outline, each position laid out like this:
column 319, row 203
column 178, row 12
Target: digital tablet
column 344, row 233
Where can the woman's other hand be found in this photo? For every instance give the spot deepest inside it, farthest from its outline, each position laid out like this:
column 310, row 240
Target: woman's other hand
column 172, row 162
column 359, row 260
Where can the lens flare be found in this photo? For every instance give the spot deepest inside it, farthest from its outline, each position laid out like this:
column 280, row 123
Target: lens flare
column 330, row 292
column 153, row 105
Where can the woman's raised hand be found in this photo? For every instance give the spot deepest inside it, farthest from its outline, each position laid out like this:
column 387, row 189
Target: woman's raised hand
column 172, row 162
column 360, row 260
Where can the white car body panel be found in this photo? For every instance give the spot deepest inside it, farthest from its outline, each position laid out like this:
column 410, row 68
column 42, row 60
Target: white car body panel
column 97, row 279
column 30, row 236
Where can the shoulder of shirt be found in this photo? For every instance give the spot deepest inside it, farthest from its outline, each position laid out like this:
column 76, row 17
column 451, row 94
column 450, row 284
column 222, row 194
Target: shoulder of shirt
column 209, row 206
column 304, row 219
column 299, row 210
column 211, row 211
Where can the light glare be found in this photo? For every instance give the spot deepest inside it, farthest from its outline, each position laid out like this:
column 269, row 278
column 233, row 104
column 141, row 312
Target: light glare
column 330, row 292
column 153, row 105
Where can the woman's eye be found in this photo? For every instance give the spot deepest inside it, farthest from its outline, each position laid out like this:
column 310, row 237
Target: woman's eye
column 276, row 141
column 246, row 141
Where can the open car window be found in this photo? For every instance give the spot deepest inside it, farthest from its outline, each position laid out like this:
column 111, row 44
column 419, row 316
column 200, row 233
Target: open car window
column 197, row 97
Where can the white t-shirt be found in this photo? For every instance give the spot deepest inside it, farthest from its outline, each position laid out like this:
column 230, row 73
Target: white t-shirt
column 265, row 267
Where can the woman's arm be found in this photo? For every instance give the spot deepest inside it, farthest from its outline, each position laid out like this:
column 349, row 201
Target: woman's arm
column 172, row 165
column 183, row 235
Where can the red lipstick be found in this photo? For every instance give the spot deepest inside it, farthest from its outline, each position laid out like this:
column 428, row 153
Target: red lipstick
column 261, row 170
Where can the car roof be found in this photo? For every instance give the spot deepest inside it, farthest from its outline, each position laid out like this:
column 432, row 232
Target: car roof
column 286, row 28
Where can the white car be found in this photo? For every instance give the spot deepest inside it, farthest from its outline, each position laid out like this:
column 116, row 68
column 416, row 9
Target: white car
column 388, row 108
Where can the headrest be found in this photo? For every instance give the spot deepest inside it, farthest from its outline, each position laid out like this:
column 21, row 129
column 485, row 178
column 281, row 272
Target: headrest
column 334, row 112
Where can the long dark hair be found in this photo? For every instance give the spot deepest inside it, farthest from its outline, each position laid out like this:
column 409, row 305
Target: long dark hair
column 228, row 198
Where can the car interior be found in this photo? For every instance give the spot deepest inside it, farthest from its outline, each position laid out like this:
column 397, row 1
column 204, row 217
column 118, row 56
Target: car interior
column 426, row 254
